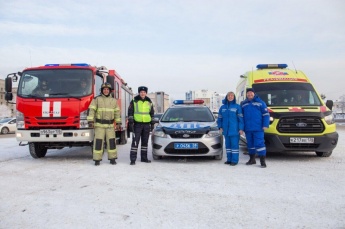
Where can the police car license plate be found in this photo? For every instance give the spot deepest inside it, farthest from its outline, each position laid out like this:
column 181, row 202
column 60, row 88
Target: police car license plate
column 51, row 131
column 302, row 140
column 186, row 146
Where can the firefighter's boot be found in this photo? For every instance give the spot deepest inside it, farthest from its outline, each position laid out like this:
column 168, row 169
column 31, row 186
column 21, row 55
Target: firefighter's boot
column 97, row 163
column 263, row 162
column 112, row 161
column 252, row 160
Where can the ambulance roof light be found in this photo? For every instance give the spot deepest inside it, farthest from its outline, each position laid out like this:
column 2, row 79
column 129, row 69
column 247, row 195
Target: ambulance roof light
column 75, row 64
column 266, row 66
column 197, row 101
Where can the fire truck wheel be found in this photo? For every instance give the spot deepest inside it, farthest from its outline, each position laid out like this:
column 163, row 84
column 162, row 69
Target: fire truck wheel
column 123, row 138
column 37, row 150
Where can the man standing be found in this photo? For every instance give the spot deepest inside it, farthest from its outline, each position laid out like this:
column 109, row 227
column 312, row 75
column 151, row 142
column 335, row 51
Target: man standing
column 140, row 116
column 256, row 120
column 103, row 111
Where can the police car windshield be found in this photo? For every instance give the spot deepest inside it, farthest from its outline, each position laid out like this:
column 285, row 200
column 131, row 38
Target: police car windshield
column 188, row 114
column 287, row 94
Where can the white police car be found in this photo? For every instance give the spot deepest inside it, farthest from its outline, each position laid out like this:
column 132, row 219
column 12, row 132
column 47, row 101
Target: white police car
column 187, row 129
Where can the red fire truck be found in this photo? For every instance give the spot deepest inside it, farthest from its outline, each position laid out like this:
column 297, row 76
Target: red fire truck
column 52, row 105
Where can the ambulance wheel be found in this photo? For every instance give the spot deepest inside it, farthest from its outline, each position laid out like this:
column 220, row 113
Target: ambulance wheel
column 37, row 150
column 323, row 154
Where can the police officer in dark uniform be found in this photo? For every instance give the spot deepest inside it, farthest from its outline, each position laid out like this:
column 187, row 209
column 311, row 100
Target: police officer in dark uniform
column 140, row 116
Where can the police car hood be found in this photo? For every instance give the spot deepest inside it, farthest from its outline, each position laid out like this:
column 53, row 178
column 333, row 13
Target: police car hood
column 187, row 127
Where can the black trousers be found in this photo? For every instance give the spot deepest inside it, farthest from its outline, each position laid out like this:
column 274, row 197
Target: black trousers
column 141, row 132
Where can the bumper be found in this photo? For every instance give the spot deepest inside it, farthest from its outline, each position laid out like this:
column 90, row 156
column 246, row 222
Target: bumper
column 84, row 135
column 207, row 146
column 324, row 143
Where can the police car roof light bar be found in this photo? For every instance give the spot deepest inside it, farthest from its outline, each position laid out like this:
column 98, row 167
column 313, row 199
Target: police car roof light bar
column 266, row 66
column 196, row 101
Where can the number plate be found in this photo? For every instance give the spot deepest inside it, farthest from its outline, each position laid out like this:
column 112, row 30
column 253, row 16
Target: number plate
column 302, row 140
column 50, row 131
column 186, row 146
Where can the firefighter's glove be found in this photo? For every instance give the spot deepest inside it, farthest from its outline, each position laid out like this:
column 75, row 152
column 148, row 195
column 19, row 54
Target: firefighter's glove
column 91, row 124
column 118, row 126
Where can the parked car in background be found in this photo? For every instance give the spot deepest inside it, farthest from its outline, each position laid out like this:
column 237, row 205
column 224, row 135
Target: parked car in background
column 187, row 129
column 7, row 125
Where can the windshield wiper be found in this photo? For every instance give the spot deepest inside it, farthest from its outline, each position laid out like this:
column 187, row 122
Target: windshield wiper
column 35, row 97
column 74, row 97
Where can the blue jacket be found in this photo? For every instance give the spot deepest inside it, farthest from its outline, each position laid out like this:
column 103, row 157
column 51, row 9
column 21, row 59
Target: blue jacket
column 255, row 114
column 230, row 117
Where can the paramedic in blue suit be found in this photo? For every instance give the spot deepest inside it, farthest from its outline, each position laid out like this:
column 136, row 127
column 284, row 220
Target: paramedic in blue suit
column 256, row 120
column 230, row 123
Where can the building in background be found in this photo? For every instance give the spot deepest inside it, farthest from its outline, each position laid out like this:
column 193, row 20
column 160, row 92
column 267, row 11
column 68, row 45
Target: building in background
column 211, row 99
column 7, row 109
column 160, row 100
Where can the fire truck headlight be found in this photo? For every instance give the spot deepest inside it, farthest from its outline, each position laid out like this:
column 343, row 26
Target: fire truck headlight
column 329, row 119
column 83, row 122
column 20, row 120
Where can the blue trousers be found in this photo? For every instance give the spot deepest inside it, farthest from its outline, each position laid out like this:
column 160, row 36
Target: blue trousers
column 232, row 148
column 256, row 143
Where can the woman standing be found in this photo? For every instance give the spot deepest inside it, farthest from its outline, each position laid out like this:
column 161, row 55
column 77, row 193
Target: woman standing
column 230, row 123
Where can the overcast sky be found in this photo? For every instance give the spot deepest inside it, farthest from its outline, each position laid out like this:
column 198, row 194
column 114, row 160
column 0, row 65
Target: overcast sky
column 178, row 45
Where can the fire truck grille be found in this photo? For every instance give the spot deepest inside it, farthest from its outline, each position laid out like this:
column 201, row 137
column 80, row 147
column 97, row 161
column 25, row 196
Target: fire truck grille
column 300, row 125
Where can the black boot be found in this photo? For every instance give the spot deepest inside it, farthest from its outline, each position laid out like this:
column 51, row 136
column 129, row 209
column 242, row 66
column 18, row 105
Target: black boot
column 227, row 162
column 112, row 161
column 145, row 160
column 132, row 163
column 252, row 160
column 263, row 162
column 97, row 163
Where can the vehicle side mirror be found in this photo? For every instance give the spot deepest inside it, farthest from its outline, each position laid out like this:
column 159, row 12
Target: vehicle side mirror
column 8, row 96
column 329, row 104
column 155, row 120
column 8, row 84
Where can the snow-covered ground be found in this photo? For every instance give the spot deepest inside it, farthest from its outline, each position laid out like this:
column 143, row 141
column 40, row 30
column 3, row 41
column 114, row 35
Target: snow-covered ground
column 65, row 190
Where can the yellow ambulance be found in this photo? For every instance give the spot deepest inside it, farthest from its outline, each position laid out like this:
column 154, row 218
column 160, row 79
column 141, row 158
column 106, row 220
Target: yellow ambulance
column 299, row 119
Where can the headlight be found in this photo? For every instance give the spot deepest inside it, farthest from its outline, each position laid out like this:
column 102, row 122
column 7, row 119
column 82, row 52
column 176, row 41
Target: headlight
column 83, row 122
column 214, row 132
column 329, row 119
column 271, row 120
column 159, row 133
column 20, row 120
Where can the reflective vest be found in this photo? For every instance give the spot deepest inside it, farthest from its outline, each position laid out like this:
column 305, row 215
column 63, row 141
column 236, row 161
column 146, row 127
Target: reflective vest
column 142, row 111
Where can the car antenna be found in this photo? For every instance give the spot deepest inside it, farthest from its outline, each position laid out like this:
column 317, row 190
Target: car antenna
column 294, row 67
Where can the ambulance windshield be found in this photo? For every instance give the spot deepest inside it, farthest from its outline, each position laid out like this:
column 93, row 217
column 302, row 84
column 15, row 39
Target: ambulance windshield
column 61, row 83
column 287, row 94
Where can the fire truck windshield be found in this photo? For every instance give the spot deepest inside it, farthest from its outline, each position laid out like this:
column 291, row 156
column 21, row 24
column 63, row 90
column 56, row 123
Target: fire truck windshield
column 62, row 83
